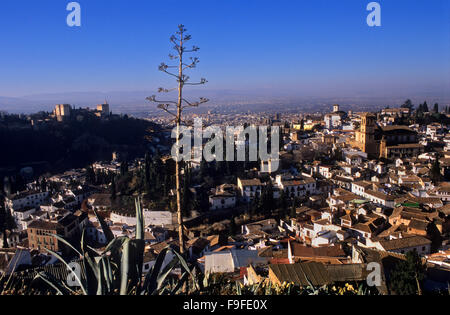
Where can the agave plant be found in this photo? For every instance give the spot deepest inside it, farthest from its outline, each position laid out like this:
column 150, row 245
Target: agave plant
column 118, row 269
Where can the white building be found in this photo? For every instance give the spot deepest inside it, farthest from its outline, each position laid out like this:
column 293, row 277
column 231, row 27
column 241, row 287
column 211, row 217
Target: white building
column 296, row 187
column 333, row 121
column 325, row 238
column 229, row 261
column 407, row 244
column 249, row 188
column 222, row 200
column 22, row 217
column 154, row 218
column 25, row 199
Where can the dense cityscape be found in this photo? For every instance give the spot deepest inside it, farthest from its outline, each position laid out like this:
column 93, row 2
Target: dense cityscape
column 307, row 154
column 352, row 188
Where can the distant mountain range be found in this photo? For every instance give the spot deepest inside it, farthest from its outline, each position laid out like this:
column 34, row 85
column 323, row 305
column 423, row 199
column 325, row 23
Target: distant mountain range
column 133, row 102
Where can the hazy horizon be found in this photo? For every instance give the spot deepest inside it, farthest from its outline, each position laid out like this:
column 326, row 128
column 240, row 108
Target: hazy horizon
column 132, row 102
column 281, row 51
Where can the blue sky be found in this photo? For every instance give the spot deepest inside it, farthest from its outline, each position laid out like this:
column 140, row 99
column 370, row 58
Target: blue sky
column 298, row 47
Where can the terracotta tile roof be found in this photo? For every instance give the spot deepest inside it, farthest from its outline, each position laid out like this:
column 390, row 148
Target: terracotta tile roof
column 45, row 225
column 251, row 182
column 364, row 184
column 299, row 250
column 405, row 242
column 318, row 273
column 418, row 224
column 380, row 195
column 301, row 274
column 367, row 228
column 397, row 128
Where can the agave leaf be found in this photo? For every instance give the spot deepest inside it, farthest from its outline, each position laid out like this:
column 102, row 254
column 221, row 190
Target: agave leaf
column 140, row 233
column 115, row 245
column 101, row 279
column 256, row 289
column 150, row 280
column 108, row 234
column 107, row 273
column 314, row 291
column 125, row 268
column 139, row 242
column 84, row 251
column 166, row 271
column 68, row 267
column 135, row 261
column 238, row 289
column 180, row 283
column 62, row 240
column 59, row 286
column 185, row 266
column 92, row 274
column 83, row 241
column 361, row 290
column 206, row 280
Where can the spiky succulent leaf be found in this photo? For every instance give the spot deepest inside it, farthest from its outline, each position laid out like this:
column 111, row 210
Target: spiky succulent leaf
column 108, row 234
column 57, row 285
column 69, row 268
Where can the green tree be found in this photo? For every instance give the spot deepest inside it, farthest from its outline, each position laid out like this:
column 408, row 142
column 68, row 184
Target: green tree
column 434, row 235
column 435, row 172
column 255, row 205
column 408, row 104
column 284, row 207
column 267, row 200
column 233, row 227
column 436, row 108
column 420, row 108
column 408, row 275
column 293, row 209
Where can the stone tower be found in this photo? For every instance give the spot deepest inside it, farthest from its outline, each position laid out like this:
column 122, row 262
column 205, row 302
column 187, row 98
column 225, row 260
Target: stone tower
column 365, row 137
